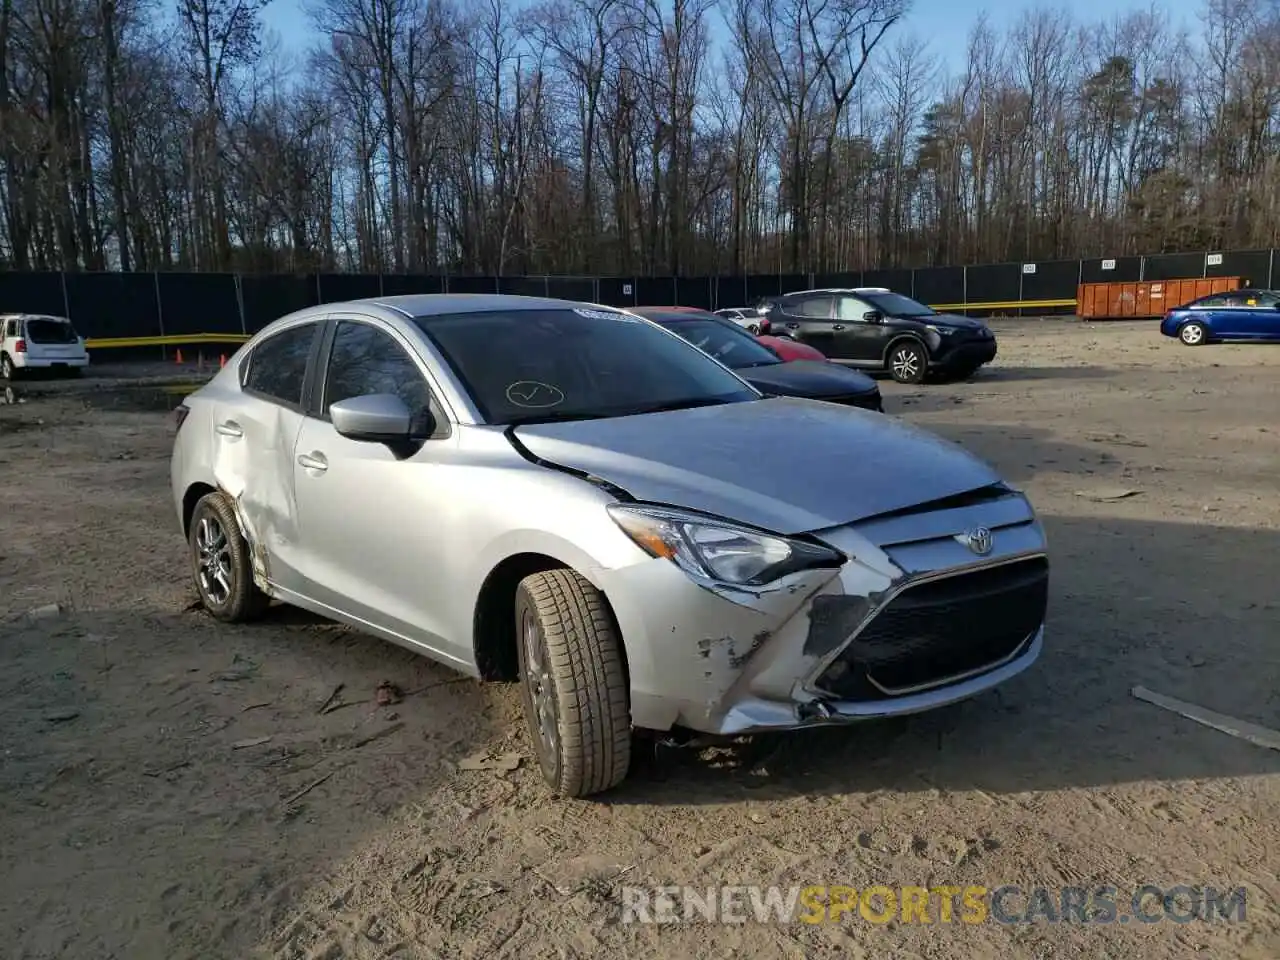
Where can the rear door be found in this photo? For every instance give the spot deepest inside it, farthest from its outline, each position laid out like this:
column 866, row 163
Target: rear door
column 809, row 320
column 255, row 430
column 51, row 340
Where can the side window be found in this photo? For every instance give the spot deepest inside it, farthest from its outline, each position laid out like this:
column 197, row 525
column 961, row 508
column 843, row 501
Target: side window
column 12, row 329
column 817, row 308
column 365, row 360
column 1219, row 300
column 851, row 308
column 278, row 365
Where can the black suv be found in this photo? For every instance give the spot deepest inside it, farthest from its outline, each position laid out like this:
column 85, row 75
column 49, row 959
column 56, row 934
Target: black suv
column 876, row 329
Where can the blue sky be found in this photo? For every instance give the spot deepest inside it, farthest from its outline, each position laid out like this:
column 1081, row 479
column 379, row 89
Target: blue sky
column 944, row 23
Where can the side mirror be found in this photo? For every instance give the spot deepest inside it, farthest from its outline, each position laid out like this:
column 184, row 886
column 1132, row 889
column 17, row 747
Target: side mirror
column 873, row 316
column 374, row 418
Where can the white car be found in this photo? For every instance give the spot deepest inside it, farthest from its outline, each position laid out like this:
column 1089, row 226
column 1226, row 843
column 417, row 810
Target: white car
column 746, row 317
column 36, row 341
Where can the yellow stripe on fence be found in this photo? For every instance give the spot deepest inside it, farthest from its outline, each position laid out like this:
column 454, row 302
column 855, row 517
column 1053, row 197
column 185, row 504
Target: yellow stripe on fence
column 189, row 339
column 176, row 340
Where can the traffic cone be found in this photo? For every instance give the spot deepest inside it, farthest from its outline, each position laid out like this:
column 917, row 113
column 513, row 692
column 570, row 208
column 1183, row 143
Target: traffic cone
column 178, row 358
column 222, row 361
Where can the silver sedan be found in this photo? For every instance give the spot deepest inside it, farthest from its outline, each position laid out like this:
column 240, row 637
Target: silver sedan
column 570, row 497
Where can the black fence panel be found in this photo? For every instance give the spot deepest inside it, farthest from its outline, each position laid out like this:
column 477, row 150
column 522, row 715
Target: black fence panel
column 899, row 281
column 1053, row 280
column 1254, row 266
column 731, row 292
column 617, row 291
column 992, row 283
column 523, row 286
column 790, row 282
column 837, row 280
column 1174, row 266
column 32, row 293
column 582, row 289
column 471, row 284
column 943, row 285
column 199, row 303
column 113, row 304
column 694, row 292
column 269, row 297
column 406, row 284
column 339, row 287
column 1111, row 270
column 655, row 291
column 761, row 286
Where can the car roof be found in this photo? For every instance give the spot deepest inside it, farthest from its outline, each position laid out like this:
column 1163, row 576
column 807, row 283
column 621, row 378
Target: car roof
column 440, row 304
column 797, row 293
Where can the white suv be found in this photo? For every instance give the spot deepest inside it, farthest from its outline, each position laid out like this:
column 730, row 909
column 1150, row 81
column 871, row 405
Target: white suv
column 31, row 341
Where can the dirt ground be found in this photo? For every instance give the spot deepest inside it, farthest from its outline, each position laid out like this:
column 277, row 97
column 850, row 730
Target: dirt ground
column 171, row 788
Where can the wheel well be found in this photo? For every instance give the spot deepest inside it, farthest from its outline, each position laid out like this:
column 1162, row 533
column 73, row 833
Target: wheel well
column 189, row 501
column 899, row 339
column 494, row 624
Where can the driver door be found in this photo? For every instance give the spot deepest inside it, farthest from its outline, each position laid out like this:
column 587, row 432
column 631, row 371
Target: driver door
column 365, row 512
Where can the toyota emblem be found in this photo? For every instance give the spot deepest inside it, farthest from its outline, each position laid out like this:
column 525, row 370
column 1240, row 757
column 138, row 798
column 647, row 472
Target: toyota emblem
column 978, row 540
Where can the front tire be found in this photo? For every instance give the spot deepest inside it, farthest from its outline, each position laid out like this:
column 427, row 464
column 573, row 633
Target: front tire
column 908, row 362
column 573, row 683
column 1193, row 334
column 221, row 564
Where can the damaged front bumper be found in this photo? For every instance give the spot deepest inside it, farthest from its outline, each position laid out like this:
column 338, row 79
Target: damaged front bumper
column 914, row 621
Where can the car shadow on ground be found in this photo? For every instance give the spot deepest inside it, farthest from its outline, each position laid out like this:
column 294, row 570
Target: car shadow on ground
column 1122, row 613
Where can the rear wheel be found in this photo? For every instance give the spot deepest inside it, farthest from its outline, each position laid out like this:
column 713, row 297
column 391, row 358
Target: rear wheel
column 221, row 563
column 573, row 683
column 7, row 370
column 908, row 362
column 1192, row 334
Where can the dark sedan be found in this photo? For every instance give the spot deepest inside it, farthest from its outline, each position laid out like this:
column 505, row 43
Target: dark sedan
column 760, row 366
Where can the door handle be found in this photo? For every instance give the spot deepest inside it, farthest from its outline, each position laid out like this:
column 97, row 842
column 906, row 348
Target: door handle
column 229, row 428
column 791, row 326
column 838, row 326
column 314, row 461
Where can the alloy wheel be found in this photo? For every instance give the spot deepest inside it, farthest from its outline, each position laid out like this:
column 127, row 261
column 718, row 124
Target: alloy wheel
column 6, row 368
column 537, row 678
column 1192, row 334
column 906, row 364
column 213, row 560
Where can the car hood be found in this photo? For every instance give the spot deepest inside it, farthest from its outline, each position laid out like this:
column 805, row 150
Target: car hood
column 782, row 464
column 808, row 378
column 957, row 321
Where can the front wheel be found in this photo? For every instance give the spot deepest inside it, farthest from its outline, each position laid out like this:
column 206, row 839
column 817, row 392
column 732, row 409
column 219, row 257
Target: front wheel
column 573, row 683
column 1192, row 334
column 908, row 362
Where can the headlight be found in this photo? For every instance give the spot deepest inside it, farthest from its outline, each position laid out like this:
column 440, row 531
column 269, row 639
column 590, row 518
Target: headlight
column 940, row 331
column 718, row 550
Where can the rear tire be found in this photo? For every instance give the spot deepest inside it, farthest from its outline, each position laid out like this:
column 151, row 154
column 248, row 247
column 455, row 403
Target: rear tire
column 908, row 362
column 1193, row 334
column 7, row 370
column 221, row 564
column 573, row 683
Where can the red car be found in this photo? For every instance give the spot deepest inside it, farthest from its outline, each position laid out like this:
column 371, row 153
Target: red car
column 789, row 349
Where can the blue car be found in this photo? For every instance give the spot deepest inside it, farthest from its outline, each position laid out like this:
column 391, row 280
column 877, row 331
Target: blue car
column 1238, row 315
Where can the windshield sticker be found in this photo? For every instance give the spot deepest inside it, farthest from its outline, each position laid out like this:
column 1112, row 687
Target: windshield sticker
column 534, row 395
column 605, row 315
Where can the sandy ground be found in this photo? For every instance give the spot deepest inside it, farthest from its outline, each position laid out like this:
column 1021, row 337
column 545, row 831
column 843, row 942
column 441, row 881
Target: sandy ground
column 154, row 777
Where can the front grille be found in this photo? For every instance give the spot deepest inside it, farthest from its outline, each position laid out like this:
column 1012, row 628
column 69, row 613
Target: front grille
column 942, row 629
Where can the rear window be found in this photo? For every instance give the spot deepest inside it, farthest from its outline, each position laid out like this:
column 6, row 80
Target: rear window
column 727, row 343
column 50, row 330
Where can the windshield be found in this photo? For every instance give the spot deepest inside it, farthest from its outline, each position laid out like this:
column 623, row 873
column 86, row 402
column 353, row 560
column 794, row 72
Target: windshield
column 728, row 344
column 527, row 366
column 896, row 305
column 50, row 330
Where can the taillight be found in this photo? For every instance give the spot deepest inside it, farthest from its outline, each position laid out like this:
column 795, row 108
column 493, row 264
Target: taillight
column 180, row 416
column 20, row 346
